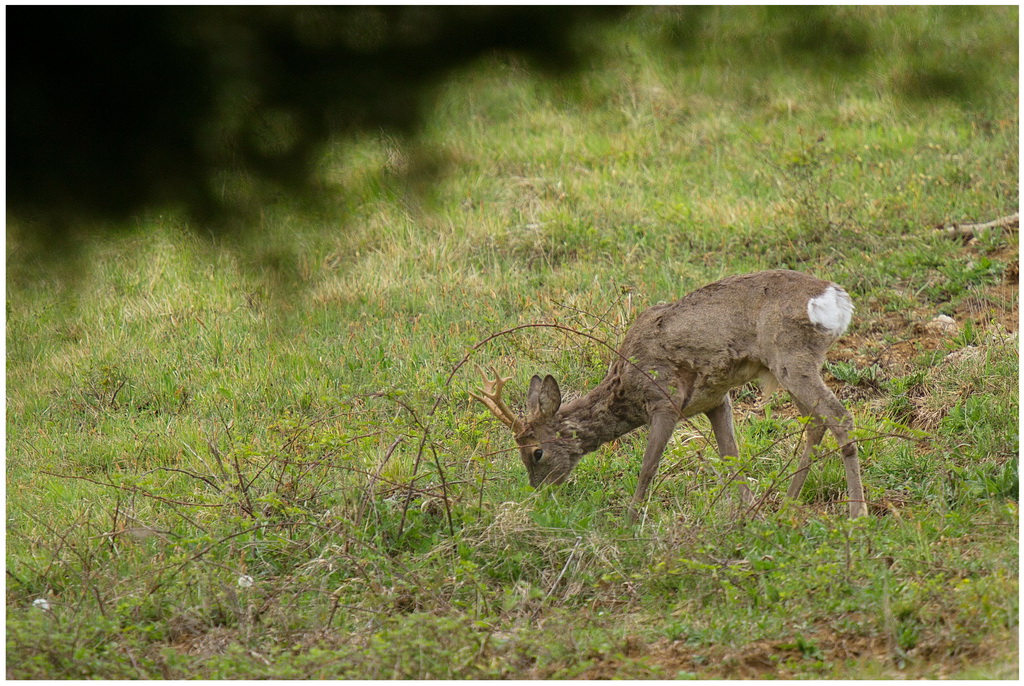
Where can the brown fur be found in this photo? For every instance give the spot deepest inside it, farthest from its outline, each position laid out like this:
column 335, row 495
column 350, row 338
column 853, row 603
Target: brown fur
column 683, row 358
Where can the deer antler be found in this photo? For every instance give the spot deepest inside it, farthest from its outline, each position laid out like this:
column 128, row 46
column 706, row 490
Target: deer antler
column 491, row 398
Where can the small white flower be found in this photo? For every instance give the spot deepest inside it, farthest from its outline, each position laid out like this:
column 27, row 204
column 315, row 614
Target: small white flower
column 245, row 581
column 41, row 603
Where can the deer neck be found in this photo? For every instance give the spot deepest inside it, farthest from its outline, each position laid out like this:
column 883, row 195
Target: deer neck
column 598, row 417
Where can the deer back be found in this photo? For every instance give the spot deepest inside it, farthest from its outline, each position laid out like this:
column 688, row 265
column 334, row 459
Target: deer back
column 728, row 333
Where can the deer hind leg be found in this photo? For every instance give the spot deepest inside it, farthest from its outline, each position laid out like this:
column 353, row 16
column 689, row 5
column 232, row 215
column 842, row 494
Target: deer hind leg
column 814, row 433
column 725, row 437
column 815, row 399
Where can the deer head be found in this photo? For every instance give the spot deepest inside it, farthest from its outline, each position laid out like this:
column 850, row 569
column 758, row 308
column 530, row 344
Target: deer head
column 546, row 447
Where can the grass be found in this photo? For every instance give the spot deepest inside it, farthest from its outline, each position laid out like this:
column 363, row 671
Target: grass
column 260, row 460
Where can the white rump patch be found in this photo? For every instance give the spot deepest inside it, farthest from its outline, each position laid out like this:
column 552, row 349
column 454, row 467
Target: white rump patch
column 831, row 310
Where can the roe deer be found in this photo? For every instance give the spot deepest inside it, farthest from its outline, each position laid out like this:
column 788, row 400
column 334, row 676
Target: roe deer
column 683, row 358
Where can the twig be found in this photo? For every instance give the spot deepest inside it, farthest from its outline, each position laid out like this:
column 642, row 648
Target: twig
column 185, row 472
column 968, row 231
column 85, row 558
column 572, row 553
column 374, row 478
column 398, row 485
column 408, row 497
column 215, row 451
column 419, row 458
column 444, row 490
column 113, row 397
column 130, row 489
column 242, row 486
column 483, row 482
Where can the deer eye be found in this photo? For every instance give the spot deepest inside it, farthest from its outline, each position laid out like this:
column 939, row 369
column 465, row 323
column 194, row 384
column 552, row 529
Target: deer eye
column 537, row 454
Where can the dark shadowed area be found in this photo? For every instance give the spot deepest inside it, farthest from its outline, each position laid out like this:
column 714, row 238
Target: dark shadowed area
column 214, row 112
column 114, row 110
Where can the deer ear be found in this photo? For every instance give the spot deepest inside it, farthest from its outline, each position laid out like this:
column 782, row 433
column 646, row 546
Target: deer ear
column 544, row 397
column 533, row 396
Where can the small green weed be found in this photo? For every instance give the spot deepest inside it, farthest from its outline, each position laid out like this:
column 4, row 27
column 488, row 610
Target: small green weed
column 849, row 373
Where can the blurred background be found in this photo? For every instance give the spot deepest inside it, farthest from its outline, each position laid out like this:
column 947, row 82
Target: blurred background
column 214, row 113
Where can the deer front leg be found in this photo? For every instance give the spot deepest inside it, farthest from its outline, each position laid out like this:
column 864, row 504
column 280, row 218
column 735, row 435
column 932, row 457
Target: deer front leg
column 725, row 436
column 662, row 424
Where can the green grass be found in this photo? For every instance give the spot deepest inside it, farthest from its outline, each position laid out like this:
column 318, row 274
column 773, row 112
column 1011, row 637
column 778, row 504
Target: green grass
column 182, row 417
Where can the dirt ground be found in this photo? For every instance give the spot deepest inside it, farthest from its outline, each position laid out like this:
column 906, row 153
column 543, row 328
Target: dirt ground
column 836, row 655
column 891, row 340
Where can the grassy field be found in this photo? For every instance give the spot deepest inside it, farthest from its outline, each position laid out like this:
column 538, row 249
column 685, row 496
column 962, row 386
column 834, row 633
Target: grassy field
column 260, row 459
